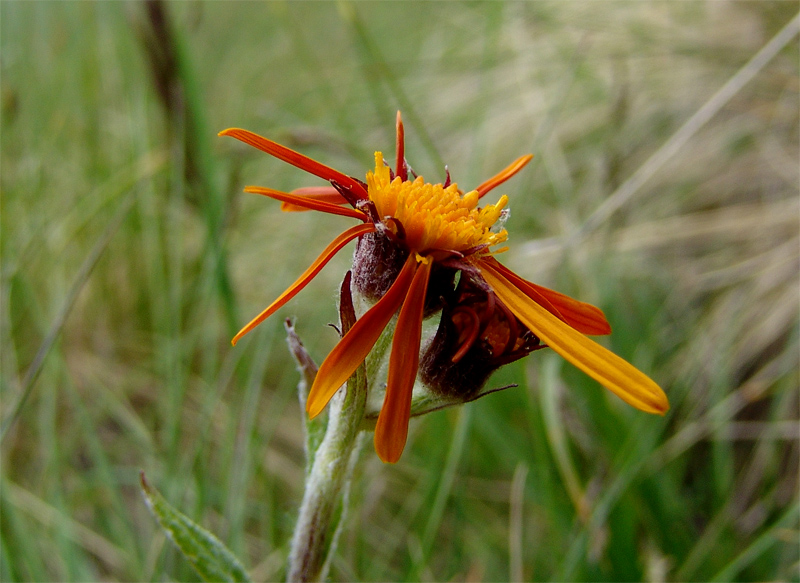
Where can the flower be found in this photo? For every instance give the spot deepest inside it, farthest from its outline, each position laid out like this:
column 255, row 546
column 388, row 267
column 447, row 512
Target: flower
column 415, row 238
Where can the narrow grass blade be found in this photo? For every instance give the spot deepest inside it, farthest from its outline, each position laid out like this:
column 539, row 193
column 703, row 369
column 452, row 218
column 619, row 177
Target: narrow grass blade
column 375, row 61
column 34, row 507
column 787, row 522
column 77, row 285
column 444, row 491
column 709, row 109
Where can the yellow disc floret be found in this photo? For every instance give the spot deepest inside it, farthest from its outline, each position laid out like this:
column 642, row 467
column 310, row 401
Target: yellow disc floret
column 432, row 216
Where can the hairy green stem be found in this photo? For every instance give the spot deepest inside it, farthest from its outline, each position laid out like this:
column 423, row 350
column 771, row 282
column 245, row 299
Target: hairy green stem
column 329, row 472
column 331, row 463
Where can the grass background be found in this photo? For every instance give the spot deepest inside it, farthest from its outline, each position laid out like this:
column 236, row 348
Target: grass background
column 130, row 257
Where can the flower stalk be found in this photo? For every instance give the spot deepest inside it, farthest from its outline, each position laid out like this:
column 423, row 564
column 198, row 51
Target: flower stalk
column 330, row 465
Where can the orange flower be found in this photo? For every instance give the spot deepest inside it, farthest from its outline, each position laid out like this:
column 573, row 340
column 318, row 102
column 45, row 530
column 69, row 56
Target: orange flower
column 414, row 238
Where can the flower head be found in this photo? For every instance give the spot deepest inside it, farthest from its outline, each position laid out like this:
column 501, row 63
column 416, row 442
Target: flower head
column 416, row 239
column 433, row 217
column 476, row 335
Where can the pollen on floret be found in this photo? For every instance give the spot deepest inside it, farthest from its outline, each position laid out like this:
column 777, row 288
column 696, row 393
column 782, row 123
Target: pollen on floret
column 432, row 216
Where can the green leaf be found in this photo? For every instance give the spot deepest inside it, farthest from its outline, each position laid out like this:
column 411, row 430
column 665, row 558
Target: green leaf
column 314, row 428
column 210, row 558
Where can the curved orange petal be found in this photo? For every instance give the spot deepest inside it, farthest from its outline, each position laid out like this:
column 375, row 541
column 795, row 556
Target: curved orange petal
column 585, row 318
column 504, row 174
column 307, row 202
column 611, row 371
column 307, row 276
column 523, row 285
column 391, row 431
column 400, row 161
column 295, row 159
column 351, row 351
column 322, row 193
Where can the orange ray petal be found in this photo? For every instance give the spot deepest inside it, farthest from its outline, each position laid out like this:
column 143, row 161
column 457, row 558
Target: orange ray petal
column 523, row 285
column 295, row 159
column 307, row 202
column 351, row 351
column 391, row 431
column 400, row 162
column 307, row 276
column 322, row 193
column 611, row 371
column 504, row 174
column 585, row 318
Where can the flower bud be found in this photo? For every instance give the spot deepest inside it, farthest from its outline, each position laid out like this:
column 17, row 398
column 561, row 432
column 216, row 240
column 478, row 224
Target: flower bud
column 477, row 334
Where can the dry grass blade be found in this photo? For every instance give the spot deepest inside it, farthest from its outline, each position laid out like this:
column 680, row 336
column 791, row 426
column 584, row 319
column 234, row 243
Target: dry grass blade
column 113, row 556
column 679, row 139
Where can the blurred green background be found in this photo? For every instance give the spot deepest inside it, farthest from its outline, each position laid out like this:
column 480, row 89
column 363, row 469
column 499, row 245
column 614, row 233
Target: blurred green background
column 130, row 257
